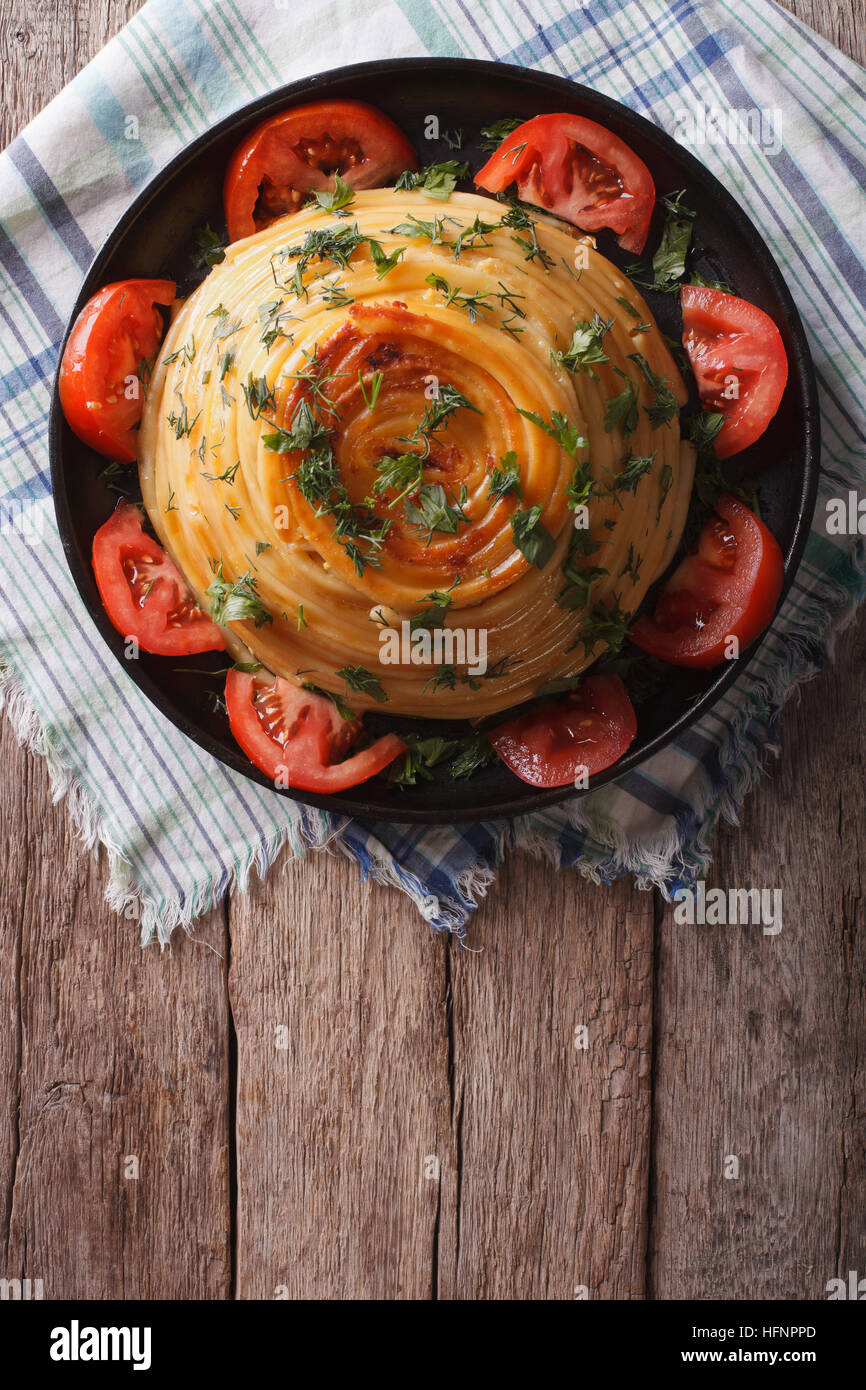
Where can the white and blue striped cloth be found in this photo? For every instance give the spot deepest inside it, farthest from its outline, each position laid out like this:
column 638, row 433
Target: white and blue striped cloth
column 181, row 829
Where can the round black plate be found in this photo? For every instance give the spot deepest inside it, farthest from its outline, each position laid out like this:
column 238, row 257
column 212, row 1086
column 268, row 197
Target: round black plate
column 155, row 236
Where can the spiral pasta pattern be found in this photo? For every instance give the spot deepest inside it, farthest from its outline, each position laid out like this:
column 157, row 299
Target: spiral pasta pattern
column 361, row 420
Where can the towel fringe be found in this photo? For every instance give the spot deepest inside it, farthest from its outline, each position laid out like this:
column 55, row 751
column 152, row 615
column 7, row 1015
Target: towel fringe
column 123, row 893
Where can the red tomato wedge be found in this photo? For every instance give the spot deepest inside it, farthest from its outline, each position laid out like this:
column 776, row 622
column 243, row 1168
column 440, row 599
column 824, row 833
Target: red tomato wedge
column 117, row 330
column 144, row 593
column 729, row 588
column 585, row 731
column 580, row 171
column 739, row 362
column 299, row 737
column 297, row 152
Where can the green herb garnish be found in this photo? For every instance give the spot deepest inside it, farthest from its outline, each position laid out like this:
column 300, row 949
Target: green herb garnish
column 493, row 135
column 338, row 198
column 375, row 387
column 237, row 602
column 431, row 511
column 664, row 406
column 585, row 351
column 505, row 480
column 622, row 409
column 531, row 536
column 435, row 181
column 209, row 249
column 567, row 436
column 360, row 679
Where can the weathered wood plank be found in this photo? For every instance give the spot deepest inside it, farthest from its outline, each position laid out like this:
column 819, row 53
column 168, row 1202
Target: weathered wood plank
column 108, row 1056
column 44, row 43
column 840, row 21
column 760, row 1037
column 552, row 1135
column 343, row 1112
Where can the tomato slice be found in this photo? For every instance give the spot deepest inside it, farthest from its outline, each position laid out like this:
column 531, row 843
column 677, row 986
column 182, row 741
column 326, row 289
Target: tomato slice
column 298, row 737
column 586, row 731
column 117, row 331
column 580, row 171
column 739, row 362
column 144, row 593
column 729, row 587
column 297, row 152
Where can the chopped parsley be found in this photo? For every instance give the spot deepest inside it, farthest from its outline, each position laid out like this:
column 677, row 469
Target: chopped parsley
column 576, row 593
column 425, row 231
column 669, row 261
column 306, row 432
column 531, row 536
column 468, row 754
column 381, row 260
column 567, row 436
column 608, row 625
column 435, row 181
column 209, row 249
column 578, row 489
column 338, row 198
column 585, row 351
column 633, row 469
column 440, row 603
column 431, row 510
column 401, row 475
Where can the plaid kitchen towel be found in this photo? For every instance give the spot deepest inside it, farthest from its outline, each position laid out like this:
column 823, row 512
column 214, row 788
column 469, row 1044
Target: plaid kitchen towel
column 180, row 828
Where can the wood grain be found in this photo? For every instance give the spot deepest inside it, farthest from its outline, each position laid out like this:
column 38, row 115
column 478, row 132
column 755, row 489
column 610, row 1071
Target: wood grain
column 841, row 21
column 551, row 1063
column 344, row 1152
column 44, row 43
column 109, row 1055
column 768, row 1032
column 300, row 1162
column 430, row 1128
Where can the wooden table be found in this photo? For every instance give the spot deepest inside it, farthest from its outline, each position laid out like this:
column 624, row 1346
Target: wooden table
column 326, row 1100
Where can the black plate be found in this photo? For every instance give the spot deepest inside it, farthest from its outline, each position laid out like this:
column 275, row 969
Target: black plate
column 154, row 238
